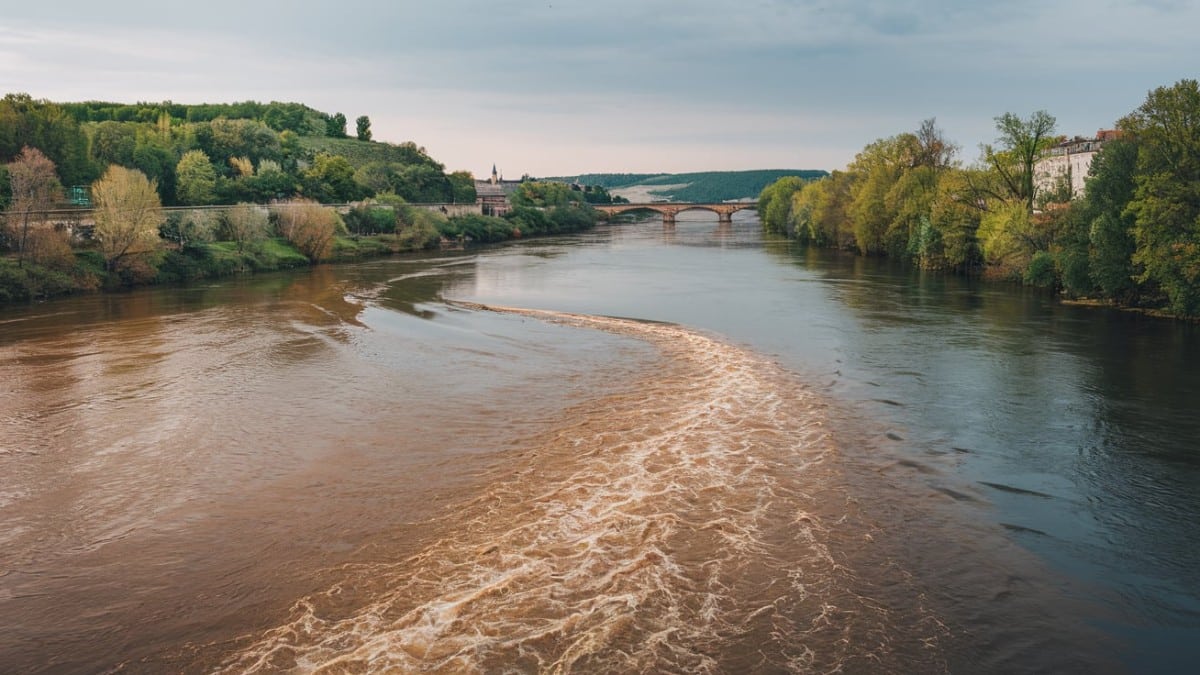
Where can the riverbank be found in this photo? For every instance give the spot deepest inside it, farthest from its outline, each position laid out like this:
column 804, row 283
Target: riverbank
column 85, row 271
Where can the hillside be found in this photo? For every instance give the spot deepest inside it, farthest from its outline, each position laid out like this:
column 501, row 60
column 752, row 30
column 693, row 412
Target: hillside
column 707, row 186
column 360, row 153
column 220, row 153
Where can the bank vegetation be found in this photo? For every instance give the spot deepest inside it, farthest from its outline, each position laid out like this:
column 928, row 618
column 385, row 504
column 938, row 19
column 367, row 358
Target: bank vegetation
column 1132, row 239
column 176, row 193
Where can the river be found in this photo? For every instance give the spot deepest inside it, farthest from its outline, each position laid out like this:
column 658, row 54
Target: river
column 632, row 450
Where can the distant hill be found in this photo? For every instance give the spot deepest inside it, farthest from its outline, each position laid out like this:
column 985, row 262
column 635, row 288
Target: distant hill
column 707, row 186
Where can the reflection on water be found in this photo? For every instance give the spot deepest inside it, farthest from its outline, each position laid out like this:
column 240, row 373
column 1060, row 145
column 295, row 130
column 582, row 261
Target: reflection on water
column 1075, row 426
column 823, row 462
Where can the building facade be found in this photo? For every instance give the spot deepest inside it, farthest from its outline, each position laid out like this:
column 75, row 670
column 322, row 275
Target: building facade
column 492, row 194
column 1065, row 166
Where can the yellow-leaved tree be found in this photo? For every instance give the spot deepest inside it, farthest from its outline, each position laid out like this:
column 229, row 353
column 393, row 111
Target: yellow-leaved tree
column 128, row 213
column 309, row 227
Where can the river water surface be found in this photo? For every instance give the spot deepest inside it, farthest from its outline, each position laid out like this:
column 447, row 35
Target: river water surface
column 634, row 450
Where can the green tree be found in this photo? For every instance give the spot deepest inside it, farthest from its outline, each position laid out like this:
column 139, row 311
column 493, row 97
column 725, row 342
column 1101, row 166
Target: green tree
column 545, row 194
column 113, row 142
column 1021, row 143
column 128, row 214
column 195, row 179
column 223, row 139
column 157, row 161
column 335, row 125
column 331, row 179
column 1110, row 189
column 876, row 170
column 1166, row 202
column 462, row 187
column 362, row 127
column 910, row 201
column 47, row 127
column 949, row 240
column 775, row 204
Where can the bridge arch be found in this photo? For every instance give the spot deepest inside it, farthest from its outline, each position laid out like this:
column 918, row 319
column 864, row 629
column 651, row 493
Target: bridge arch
column 669, row 210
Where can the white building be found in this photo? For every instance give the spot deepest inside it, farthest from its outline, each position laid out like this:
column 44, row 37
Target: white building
column 1067, row 163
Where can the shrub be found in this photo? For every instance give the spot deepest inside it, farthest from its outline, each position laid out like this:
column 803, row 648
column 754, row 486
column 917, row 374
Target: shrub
column 308, row 226
column 1041, row 272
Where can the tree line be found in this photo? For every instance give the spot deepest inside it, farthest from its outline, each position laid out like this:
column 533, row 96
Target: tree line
column 1132, row 239
column 223, row 153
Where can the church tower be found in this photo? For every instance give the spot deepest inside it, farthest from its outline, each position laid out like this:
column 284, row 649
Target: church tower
column 495, row 176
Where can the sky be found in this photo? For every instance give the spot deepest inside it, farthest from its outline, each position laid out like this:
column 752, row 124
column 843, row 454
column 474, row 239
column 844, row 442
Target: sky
column 562, row 87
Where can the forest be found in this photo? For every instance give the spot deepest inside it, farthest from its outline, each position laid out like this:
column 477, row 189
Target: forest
column 1132, row 239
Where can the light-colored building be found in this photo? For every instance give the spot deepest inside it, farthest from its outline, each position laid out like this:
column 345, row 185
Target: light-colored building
column 492, row 194
column 1066, row 165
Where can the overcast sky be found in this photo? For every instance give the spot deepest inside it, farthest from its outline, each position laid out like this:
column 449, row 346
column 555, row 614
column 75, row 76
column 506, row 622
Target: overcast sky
column 555, row 87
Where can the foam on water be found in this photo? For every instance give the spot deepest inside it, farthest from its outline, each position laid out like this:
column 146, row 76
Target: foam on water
column 681, row 525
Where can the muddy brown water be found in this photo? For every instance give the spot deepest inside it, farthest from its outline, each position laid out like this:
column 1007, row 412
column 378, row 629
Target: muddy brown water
column 647, row 450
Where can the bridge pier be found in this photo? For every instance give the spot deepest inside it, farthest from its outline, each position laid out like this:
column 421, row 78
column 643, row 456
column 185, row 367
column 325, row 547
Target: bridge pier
column 724, row 218
column 668, row 219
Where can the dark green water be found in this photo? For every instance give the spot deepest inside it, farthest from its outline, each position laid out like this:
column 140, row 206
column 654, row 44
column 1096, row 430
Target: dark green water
column 830, row 463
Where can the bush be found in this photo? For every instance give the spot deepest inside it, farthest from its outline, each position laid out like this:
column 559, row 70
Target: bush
column 1041, row 272
column 572, row 218
column 370, row 218
column 309, row 227
column 485, row 229
column 31, row 282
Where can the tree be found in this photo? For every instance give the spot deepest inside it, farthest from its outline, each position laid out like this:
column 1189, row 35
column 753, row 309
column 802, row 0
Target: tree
column 949, row 239
column 363, row 128
column 1110, row 188
column 462, row 187
column 876, row 170
column 153, row 157
column 335, row 125
column 113, row 142
column 544, row 194
column 35, row 190
column 245, row 224
column 331, row 179
column 933, row 150
column 309, row 227
column 189, row 227
column 775, row 204
column 195, row 179
column 128, row 214
column 222, row 139
column 1021, row 142
column 47, row 127
column 1166, row 202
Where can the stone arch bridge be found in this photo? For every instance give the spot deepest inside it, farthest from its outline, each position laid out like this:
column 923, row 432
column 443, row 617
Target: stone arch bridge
column 669, row 210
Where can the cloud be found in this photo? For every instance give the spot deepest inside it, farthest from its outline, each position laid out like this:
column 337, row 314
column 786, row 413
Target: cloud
column 646, row 76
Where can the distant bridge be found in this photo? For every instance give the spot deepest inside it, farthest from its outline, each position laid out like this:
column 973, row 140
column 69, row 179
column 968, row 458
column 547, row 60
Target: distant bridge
column 669, row 210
